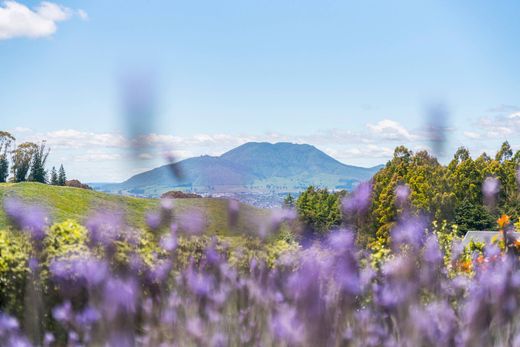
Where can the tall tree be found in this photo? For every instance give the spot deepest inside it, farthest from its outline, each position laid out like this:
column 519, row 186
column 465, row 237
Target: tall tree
column 54, row 177
column 6, row 140
column 62, row 177
column 38, row 172
column 22, row 159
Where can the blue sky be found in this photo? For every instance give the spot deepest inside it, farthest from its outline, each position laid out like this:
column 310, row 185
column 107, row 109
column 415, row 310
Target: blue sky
column 355, row 79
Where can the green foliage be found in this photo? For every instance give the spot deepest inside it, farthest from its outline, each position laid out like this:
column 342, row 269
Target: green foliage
column 22, row 158
column 4, row 168
column 452, row 193
column 6, row 140
column 65, row 239
column 470, row 216
column 62, row 177
column 14, row 255
column 39, row 158
column 54, row 177
column 319, row 209
column 289, row 201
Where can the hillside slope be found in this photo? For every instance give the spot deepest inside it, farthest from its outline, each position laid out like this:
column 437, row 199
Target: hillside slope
column 67, row 202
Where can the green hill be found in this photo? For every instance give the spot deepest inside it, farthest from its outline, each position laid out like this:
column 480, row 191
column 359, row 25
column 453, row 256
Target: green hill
column 75, row 203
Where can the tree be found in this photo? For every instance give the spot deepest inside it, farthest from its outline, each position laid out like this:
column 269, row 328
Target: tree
column 38, row 172
column 6, row 140
column 319, row 209
column 505, row 152
column 62, row 178
column 54, row 177
column 22, row 159
column 471, row 216
column 288, row 201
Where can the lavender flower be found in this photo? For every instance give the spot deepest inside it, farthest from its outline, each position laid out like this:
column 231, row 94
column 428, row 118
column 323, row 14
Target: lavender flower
column 490, row 189
column 359, row 201
column 27, row 217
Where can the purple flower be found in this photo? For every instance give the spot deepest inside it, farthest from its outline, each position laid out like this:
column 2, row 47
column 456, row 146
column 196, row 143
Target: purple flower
column 153, row 220
column 88, row 317
column 490, row 189
column 7, row 323
column 120, row 296
column 199, row 283
column 286, row 326
column 410, row 232
column 432, row 253
column 169, row 242
column 104, row 228
column 233, row 212
column 63, row 313
column 278, row 217
column 192, row 222
column 27, row 217
column 359, row 201
column 48, row 339
column 402, row 193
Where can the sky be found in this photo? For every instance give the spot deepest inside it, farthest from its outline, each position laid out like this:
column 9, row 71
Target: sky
column 96, row 79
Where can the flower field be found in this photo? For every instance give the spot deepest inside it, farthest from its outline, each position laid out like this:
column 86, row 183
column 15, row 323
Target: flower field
column 105, row 283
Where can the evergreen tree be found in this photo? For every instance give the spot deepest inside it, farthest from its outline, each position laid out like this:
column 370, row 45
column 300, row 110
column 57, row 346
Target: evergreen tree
column 470, row 216
column 62, row 178
column 288, row 201
column 6, row 139
column 38, row 172
column 54, row 177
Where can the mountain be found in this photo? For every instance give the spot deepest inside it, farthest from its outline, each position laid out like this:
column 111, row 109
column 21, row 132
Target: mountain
column 254, row 167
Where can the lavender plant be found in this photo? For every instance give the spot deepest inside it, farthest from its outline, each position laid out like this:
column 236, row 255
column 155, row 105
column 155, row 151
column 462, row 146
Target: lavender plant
column 108, row 285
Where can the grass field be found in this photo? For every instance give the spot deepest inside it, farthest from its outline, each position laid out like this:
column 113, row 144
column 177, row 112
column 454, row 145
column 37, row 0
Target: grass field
column 74, row 203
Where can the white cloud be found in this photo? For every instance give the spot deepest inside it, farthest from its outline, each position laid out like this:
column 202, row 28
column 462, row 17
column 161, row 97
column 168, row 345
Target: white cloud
column 472, row 135
column 71, row 139
column 97, row 156
column 17, row 20
column 22, row 130
column 391, row 130
column 501, row 126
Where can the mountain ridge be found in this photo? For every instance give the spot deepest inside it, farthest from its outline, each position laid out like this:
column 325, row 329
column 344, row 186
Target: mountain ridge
column 251, row 167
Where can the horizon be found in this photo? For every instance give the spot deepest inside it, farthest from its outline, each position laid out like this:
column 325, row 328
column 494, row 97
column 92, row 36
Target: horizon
column 182, row 79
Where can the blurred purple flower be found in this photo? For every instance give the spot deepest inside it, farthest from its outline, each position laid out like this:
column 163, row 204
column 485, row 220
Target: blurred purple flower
column 286, row 326
column 63, row 313
column 7, row 323
column 198, row 283
column 48, row 339
column 88, row 316
column 31, row 218
column 233, row 212
column 359, row 201
column 402, row 193
column 192, row 222
column 277, row 218
column 432, row 253
column 153, row 220
column 104, row 228
column 490, row 189
column 410, row 232
column 120, row 296
column 169, row 242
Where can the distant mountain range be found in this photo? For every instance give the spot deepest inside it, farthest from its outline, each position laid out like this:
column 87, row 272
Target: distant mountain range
column 254, row 167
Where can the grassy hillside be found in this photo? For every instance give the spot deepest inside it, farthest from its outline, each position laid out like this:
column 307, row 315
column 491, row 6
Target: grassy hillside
column 67, row 202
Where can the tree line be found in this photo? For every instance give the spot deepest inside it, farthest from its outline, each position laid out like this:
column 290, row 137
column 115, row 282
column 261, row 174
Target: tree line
column 452, row 193
column 26, row 162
